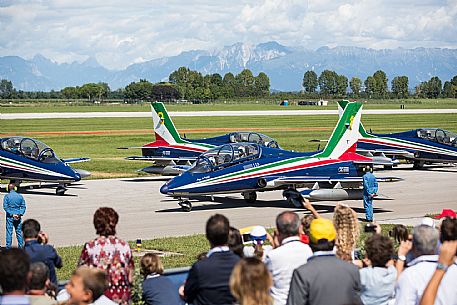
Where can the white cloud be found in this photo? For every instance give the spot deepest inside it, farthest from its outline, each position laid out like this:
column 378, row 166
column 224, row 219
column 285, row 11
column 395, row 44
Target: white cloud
column 118, row 33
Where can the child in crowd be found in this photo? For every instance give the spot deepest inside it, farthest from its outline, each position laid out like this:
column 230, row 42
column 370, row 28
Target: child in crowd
column 378, row 279
column 250, row 282
column 399, row 233
column 258, row 249
column 157, row 289
column 235, row 241
column 306, row 223
column 86, row 286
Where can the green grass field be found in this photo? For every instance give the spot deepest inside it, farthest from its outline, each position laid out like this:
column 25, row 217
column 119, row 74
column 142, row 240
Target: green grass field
column 271, row 104
column 292, row 132
column 188, row 246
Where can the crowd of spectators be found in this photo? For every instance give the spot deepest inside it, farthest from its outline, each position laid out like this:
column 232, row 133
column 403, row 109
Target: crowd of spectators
column 312, row 260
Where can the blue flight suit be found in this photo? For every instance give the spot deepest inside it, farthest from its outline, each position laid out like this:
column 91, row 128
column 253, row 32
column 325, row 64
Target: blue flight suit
column 370, row 187
column 13, row 204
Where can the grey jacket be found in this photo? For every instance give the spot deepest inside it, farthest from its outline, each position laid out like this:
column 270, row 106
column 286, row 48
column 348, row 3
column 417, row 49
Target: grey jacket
column 325, row 280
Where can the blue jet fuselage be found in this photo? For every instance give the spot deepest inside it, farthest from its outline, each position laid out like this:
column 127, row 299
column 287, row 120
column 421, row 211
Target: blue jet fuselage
column 254, row 172
column 425, row 144
column 15, row 165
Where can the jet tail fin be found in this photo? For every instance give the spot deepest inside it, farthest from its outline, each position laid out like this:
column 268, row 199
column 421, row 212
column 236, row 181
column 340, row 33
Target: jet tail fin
column 346, row 133
column 164, row 128
column 341, row 106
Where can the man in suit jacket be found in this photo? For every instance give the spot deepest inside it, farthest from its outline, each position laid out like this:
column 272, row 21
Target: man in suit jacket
column 208, row 279
column 324, row 279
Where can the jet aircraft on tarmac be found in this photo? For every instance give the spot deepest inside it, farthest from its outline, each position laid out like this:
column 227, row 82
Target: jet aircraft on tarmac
column 27, row 159
column 418, row 146
column 173, row 154
column 332, row 174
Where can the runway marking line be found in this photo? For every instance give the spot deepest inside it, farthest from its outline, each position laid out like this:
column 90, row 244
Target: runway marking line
column 149, row 131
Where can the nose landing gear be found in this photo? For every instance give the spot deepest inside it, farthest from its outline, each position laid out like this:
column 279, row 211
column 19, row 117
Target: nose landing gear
column 60, row 190
column 185, row 205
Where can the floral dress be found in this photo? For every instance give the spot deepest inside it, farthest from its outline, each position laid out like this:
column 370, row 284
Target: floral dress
column 114, row 256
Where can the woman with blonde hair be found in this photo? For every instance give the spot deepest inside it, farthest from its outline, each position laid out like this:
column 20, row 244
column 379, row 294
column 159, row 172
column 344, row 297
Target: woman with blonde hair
column 347, row 229
column 250, row 282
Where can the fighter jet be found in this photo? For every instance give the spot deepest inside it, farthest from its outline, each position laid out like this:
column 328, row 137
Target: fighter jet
column 173, row 154
column 418, row 146
column 27, row 159
column 334, row 173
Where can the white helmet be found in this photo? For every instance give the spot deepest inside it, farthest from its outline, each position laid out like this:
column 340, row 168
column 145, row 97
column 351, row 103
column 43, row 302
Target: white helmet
column 258, row 233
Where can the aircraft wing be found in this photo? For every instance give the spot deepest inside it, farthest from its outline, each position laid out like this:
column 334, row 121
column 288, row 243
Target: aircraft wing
column 75, row 160
column 307, row 180
column 161, row 159
column 311, row 180
column 132, row 147
column 387, row 152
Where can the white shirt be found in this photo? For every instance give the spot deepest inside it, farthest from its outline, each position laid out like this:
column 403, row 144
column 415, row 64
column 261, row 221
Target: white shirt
column 103, row 300
column 281, row 262
column 14, row 300
column 217, row 249
column 248, row 251
column 414, row 279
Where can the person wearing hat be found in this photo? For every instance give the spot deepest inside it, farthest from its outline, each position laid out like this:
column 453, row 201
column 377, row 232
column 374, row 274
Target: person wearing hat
column 446, row 213
column 370, row 190
column 258, row 236
column 324, row 279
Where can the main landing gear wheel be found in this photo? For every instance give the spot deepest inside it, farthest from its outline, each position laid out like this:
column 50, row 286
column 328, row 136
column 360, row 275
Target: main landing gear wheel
column 418, row 164
column 250, row 197
column 60, row 190
column 186, row 206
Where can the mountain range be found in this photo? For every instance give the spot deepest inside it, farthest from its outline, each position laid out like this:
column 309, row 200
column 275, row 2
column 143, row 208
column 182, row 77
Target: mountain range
column 284, row 65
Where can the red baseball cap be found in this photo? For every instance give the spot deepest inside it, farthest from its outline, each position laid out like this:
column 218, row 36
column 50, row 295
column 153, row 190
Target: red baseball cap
column 446, row 213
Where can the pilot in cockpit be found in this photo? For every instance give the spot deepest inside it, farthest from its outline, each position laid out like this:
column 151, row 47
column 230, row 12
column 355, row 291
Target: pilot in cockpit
column 12, row 145
column 241, row 152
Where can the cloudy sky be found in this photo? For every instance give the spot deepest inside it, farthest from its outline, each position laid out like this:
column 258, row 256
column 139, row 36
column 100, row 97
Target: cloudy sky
column 119, row 32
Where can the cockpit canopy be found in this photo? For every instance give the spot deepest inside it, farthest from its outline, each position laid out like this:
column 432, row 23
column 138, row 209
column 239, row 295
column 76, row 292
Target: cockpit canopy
column 225, row 156
column 30, row 148
column 438, row 135
column 253, row 137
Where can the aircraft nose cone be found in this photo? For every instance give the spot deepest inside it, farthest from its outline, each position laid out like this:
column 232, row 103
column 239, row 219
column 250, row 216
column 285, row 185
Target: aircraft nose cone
column 82, row 173
column 164, row 189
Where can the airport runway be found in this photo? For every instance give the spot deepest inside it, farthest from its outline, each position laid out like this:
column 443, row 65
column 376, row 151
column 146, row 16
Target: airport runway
column 69, row 115
column 145, row 213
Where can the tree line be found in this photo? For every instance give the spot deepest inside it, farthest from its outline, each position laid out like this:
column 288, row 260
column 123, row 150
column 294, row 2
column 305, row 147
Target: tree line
column 186, row 84
column 183, row 84
column 330, row 84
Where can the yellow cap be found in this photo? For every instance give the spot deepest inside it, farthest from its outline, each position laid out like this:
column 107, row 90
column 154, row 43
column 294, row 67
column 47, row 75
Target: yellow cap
column 322, row 228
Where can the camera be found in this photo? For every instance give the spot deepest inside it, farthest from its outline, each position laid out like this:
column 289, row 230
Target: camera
column 369, row 227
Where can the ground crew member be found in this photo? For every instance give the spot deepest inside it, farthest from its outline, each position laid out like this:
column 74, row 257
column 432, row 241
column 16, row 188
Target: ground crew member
column 370, row 190
column 14, row 206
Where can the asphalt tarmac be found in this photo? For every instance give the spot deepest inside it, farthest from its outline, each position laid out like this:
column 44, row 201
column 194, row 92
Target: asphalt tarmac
column 145, row 213
column 68, row 115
